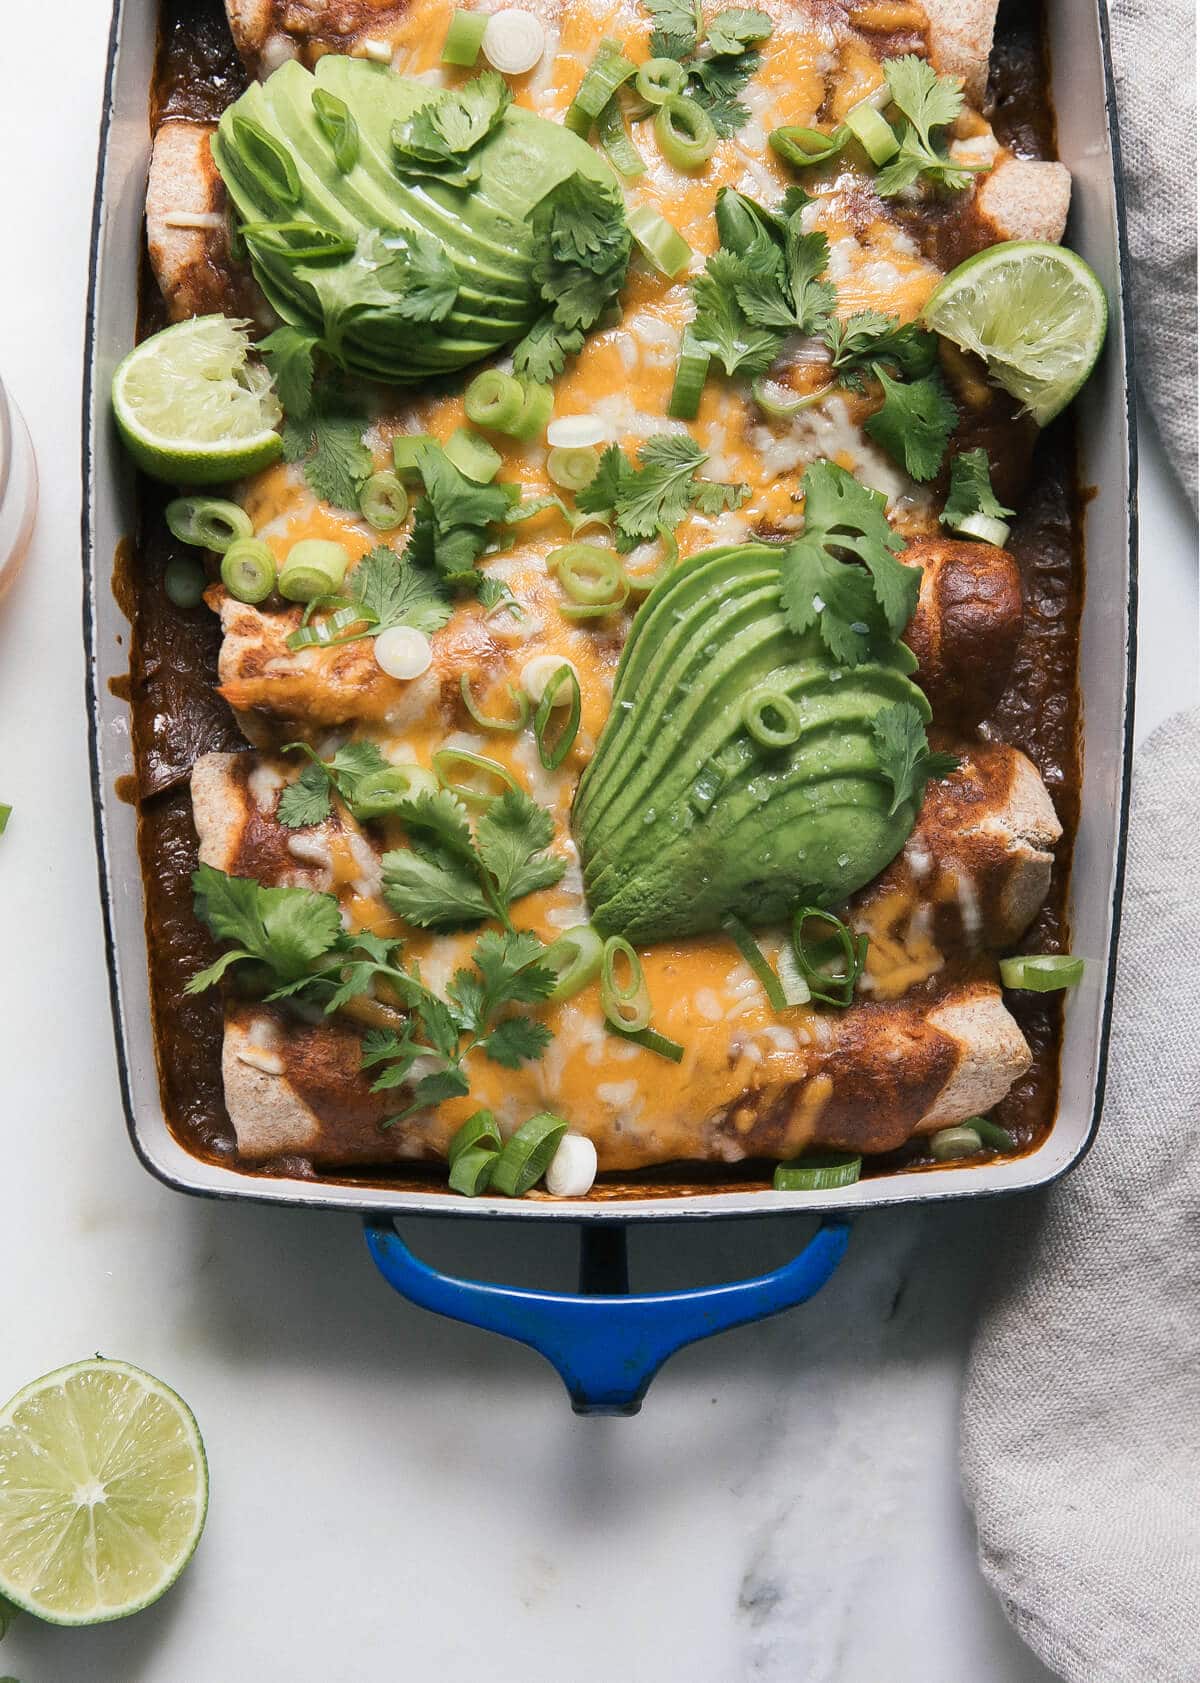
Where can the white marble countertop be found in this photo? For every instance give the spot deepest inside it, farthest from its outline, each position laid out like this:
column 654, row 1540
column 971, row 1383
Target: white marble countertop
column 390, row 1490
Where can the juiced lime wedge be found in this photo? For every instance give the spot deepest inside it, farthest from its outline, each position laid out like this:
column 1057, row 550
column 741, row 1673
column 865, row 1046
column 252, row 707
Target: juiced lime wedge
column 1034, row 312
column 191, row 406
column 103, row 1493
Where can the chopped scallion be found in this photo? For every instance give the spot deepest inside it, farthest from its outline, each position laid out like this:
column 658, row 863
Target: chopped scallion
column 608, row 71
column 495, row 400
column 446, row 762
column 406, row 454
column 519, row 700
column 754, row 956
column 313, row 567
column 658, row 241
column 874, row 133
column 819, row 1171
column 524, row 1159
column 685, row 132
column 554, row 746
column 658, row 78
column 383, row 501
column 1041, row 972
column 624, row 996
column 992, row 1134
column 574, row 960
column 572, row 469
column 478, row 1131
column 619, row 149
column 184, row 581
column 651, row 1040
column 381, row 793
column 950, row 1143
column 248, row 570
column 472, row 455
column 464, row 38
column 336, row 123
column 207, row 522
column 830, row 986
column 690, row 375
column 771, row 717
column 801, row 147
column 783, row 408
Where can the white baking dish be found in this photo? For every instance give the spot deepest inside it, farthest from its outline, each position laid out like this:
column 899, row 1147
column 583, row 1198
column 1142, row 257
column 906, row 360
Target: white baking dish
column 1088, row 145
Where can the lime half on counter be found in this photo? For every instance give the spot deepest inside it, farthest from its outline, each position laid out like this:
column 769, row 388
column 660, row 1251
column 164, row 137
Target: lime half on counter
column 103, row 1493
column 1034, row 312
column 193, row 408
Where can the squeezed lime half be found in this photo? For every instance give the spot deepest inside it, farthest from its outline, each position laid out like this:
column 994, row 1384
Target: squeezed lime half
column 193, row 408
column 1034, row 312
column 103, row 1492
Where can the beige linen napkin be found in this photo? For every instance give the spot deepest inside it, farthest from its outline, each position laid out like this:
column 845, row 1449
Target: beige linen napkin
column 1154, row 57
column 1081, row 1418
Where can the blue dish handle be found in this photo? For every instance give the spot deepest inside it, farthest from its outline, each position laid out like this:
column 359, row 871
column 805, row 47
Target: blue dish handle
column 606, row 1343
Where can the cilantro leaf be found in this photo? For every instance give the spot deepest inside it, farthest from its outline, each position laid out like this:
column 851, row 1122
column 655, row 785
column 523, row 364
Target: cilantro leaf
column 658, row 492
column 720, row 325
column 515, row 1040
column 676, row 27
column 450, row 523
column 427, row 281
column 542, row 354
column 327, row 438
column 393, row 591
column 510, row 837
column 929, row 101
column 438, row 138
column 868, row 338
column 306, row 801
column 915, row 423
column 732, row 31
column 971, row 490
column 288, row 353
column 856, row 609
column 898, row 733
column 284, row 928
column 447, row 877
column 785, row 291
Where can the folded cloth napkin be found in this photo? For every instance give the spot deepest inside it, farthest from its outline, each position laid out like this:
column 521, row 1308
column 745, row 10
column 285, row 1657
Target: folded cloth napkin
column 1154, row 59
column 1081, row 1417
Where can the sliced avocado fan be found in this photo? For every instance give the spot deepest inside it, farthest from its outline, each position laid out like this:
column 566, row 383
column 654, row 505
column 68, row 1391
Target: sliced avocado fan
column 685, row 814
column 403, row 275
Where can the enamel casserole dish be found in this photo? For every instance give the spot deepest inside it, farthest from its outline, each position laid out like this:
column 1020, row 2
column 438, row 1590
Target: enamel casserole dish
column 606, row 1343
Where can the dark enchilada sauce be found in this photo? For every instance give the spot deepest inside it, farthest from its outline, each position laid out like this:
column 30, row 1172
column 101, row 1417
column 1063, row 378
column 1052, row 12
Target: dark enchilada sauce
column 177, row 714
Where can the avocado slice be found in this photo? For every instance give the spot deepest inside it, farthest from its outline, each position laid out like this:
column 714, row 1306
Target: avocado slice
column 683, row 816
column 484, row 230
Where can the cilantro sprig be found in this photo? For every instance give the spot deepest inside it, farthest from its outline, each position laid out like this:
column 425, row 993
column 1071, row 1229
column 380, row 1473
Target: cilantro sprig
column 441, row 138
column 657, row 493
column 296, row 935
column 841, row 575
column 918, row 414
column 929, row 102
column 905, row 757
column 448, row 877
column 451, row 522
column 309, row 800
column 581, row 246
column 719, row 61
column 971, row 491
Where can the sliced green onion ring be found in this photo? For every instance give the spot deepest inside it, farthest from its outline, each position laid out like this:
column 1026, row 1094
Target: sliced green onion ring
column 554, row 748
column 659, row 242
column 624, row 1001
column 1041, row 972
column 495, row 400
column 658, row 78
column 685, row 132
column 608, row 71
column 524, row 1159
column 478, row 1131
column 801, row 147
column 951, row 1143
column 574, row 960
column 651, row 1040
column 985, row 527
column 184, row 581
column 471, row 1171
column 519, row 700
column 690, row 375
column 384, row 792
column 464, row 38
column 873, row 132
column 641, row 583
column 771, row 717
column 336, row 123
column 539, row 406
column 313, row 567
column 828, row 986
column 383, row 501
column 819, row 1171
column 757, row 960
column 207, row 522
column 333, row 630
column 591, row 577
column 248, row 570
column 782, row 409
column 445, row 768
column 992, row 1134
column 572, row 469
column 472, row 455
column 261, row 156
